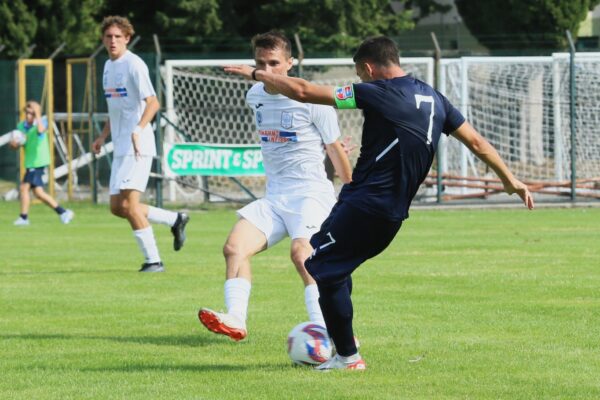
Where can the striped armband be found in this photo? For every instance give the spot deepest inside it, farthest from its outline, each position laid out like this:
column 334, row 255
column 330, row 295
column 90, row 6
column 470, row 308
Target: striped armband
column 344, row 97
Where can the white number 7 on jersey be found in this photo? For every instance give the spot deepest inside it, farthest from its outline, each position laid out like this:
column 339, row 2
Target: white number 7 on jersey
column 419, row 98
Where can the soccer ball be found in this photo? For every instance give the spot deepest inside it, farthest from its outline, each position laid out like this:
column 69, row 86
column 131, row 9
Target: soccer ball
column 18, row 137
column 309, row 344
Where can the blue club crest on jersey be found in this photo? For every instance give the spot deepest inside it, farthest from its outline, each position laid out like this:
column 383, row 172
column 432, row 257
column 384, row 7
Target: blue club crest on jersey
column 287, row 119
column 259, row 117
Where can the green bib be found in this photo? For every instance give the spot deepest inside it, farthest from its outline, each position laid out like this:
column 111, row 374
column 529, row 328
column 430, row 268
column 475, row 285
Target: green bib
column 37, row 151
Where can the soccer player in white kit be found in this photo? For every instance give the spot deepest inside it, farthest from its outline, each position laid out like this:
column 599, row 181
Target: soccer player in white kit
column 132, row 104
column 298, row 196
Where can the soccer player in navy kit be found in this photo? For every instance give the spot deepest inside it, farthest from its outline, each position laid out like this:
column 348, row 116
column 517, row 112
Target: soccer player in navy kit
column 404, row 119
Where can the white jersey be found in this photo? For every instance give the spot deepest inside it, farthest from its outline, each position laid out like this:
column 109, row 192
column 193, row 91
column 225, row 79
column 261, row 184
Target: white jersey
column 126, row 84
column 292, row 135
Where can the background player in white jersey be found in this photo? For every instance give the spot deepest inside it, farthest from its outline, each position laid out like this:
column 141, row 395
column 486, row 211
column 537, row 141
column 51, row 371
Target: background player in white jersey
column 298, row 194
column 132, row 104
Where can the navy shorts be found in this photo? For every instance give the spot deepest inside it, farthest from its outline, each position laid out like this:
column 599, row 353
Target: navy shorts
column 347, row 238
column 33, row 176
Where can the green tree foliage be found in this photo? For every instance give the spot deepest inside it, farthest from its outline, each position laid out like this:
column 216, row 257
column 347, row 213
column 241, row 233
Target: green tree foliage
column 17, row 27
column 323, row 25
column 47, row 24
column 69, row 21
column 517, row 24
column 190, row 19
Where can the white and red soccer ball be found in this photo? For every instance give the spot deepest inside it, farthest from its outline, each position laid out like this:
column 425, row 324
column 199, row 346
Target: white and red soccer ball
column 308, row 343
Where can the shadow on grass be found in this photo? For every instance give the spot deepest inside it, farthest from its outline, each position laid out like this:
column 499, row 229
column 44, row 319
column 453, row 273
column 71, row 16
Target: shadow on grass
column 173, row 340
column 133, row 368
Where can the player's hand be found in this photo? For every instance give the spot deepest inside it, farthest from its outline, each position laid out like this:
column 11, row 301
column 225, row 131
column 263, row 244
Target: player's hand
column 347, row 145
column 522, row 190
column 13, row 144
column 241, row 70
column 36, row 110
column 97, row 145
column 135, row 140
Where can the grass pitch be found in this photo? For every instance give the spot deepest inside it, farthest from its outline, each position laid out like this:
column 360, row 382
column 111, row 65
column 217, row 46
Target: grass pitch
column 476, row 304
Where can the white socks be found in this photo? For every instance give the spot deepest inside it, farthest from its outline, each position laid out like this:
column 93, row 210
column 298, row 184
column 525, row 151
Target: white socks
column 350, row 359
column 237, row 293
column 161, row 216
column 311, row 299
column 147, row 244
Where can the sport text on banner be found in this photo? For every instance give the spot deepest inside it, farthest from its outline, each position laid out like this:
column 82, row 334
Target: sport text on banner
column 213, row 160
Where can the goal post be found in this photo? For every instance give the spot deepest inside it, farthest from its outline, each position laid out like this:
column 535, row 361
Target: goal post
column 86, row 107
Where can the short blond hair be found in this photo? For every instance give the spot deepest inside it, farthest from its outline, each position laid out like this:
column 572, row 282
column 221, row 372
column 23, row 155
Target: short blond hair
column 120, row 22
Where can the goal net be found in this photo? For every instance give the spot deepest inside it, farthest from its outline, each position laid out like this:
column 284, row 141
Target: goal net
column 206, row 105
column 522, row 106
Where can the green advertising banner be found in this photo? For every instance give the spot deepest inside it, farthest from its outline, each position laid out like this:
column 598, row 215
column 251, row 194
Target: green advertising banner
column 213, row 160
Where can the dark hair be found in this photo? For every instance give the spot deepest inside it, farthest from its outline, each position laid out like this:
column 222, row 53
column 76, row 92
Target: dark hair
column 30, row 103
column 272, row 40
column 380, row 50
column 120, row 22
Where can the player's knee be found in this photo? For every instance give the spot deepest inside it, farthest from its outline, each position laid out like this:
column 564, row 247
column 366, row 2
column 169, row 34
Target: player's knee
column 232, row 249
column 119, row 210
column 298, row 258
column 299, row 254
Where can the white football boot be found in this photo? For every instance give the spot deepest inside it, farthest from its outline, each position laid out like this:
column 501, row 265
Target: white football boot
column 21, row 222
column 67, row 216
column 338, row 362
column 222, row 323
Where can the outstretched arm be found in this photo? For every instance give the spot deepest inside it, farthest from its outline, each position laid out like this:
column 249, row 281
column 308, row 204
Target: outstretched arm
column 294, row 88
column 488, row 154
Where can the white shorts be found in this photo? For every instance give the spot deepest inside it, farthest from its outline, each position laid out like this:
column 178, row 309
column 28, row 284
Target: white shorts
column 127, row 173
column 294, row 216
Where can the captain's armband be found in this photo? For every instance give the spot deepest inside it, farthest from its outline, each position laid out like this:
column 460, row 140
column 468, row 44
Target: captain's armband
column 344, row 97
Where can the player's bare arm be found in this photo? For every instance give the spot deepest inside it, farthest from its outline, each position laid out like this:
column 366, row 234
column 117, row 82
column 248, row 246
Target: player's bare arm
column 97, row 145
column 339, row 158
column 41, row 128
column 152, row 107
column 488, row 154
column 293, row 88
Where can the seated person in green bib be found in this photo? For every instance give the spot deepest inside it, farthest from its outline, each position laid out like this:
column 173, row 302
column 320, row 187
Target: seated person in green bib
column 34, row 139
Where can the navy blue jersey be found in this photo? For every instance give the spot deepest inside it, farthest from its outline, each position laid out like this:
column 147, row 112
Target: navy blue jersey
column 404, row 119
